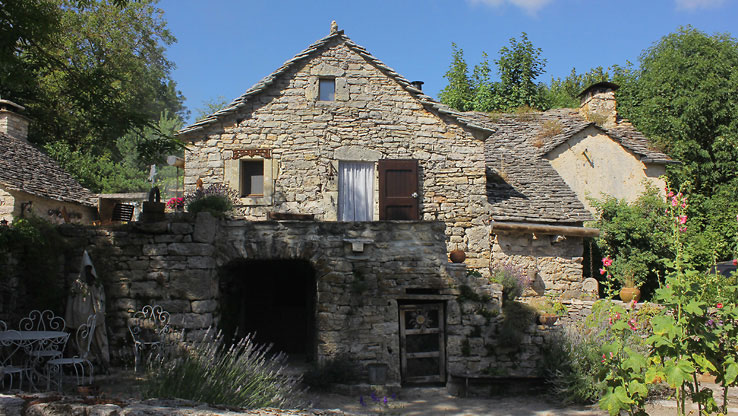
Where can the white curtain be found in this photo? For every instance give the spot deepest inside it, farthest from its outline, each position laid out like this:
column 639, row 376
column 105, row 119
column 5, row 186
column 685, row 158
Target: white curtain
column 355, row 191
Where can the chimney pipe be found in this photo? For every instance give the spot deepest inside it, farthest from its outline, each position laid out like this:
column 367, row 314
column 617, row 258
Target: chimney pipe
column 12, row 122
column 417, row 84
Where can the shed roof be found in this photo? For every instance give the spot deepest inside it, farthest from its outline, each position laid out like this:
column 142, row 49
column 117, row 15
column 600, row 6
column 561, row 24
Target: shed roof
column 25, row 168
column 267, row 81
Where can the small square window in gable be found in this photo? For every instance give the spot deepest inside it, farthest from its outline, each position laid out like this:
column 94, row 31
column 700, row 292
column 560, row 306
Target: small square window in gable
column 327, row 89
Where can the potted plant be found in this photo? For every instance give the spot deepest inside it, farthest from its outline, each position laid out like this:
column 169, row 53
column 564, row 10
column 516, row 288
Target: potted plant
column 628, row 273
column 549, row 310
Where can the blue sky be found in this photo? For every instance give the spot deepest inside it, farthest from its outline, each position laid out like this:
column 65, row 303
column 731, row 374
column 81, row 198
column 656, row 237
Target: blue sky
column 225, row 46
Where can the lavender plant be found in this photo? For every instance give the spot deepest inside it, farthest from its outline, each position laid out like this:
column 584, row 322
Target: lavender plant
column 217, row 199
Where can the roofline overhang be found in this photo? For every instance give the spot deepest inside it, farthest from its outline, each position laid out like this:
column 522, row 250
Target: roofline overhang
column 535, row 228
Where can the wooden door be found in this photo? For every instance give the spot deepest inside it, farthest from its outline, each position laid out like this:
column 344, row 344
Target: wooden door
column 422, row 343
column 398, row 189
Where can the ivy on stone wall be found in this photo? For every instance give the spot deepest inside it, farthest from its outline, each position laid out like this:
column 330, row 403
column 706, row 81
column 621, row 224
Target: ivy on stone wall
column 33, row 255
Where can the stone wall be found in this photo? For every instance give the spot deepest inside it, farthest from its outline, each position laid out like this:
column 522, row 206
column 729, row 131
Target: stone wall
column 553, row 261
column 372, row 118
column 593, row 165
column 178, row 264
column 48, row 209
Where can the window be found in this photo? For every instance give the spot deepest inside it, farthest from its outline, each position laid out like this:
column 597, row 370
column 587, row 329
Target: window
column 252, row 178
column 327, row 89
column 355, row 191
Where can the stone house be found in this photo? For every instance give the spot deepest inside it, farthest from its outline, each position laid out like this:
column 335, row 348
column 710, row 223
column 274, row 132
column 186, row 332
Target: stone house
column 353, row 187
column 541, row 169
column 32, row 182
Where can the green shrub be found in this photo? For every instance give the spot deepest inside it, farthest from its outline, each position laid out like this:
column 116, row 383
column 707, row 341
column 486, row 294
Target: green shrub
column 216, row 199
column 573, row 366
column 244, row 374
column 513, row 279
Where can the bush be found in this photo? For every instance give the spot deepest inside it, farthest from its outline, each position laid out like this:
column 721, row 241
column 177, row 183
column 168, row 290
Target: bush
column 216, row 199
column 244, row 374
column 573, row 366
column 513, row 279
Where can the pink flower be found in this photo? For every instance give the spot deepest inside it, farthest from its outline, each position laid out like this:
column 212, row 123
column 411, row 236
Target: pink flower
column 674, row 202
column 684, row 205
column 607, row 261
column 670, row 194
column 735, row 262
column 682, row 219
column 603, row 271
column 719, row 305
column 683, row 229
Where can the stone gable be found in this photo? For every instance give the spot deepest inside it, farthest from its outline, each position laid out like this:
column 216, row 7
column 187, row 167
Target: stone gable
column 373, row 117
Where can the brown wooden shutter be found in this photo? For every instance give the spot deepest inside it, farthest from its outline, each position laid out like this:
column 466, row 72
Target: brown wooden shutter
column 398, row 189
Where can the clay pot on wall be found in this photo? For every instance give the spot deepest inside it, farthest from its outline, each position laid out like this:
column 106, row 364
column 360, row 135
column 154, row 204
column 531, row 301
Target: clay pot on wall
column 628, row 294
column 547, row 319
column 457, row 256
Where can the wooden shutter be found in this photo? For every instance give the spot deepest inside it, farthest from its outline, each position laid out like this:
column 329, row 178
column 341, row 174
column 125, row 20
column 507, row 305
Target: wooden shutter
column 398, row 189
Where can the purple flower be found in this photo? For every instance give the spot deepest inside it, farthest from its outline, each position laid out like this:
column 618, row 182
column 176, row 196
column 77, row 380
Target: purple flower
column 374, row 397
column 361, row 400
column 385, row 399
column 710, row 322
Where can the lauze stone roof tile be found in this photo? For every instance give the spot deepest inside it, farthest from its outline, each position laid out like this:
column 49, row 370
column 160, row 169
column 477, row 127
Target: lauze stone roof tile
column 26, row 169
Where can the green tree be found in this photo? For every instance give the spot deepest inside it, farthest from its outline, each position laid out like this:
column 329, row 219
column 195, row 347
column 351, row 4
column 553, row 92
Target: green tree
column 458, row 93
column 211, row 106
column 684, row 97
column 125, row 168
column 519, row 65
column 565, row 93
column 635, row 235
column 94, row 72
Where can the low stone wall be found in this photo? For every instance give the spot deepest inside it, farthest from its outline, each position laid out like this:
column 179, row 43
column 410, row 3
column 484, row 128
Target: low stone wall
column 364, row 272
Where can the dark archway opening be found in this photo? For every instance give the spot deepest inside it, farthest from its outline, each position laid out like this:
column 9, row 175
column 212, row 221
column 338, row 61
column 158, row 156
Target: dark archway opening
column 274, row 299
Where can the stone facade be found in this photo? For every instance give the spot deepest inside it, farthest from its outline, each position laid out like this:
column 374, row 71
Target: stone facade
column 363, row 273
column 372, row 117
column 593, row 164
column 553, row 262
column 13, row 203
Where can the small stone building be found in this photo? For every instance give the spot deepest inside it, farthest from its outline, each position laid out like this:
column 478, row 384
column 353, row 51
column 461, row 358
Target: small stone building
column 33, row 183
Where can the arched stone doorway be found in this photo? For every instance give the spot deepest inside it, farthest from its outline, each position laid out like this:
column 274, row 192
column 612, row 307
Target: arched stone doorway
column 275, row 299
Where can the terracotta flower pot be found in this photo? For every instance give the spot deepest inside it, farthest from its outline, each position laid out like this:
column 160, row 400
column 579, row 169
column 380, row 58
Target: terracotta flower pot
column 627, row 294
column 547, row 319
column 457, row 256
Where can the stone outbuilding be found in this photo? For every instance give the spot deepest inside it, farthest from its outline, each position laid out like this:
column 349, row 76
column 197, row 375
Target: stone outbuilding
column 33, row 183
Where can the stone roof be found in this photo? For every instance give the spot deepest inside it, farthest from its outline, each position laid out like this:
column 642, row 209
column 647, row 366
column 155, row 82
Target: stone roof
column 521, row 183
column 267, row 81
column 24, row 168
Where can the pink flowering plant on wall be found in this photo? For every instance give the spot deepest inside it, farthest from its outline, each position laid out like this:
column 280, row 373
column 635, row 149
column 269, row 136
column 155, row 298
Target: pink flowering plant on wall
column 693, row 331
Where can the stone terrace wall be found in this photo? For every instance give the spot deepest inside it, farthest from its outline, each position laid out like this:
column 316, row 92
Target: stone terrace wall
column 176, row 264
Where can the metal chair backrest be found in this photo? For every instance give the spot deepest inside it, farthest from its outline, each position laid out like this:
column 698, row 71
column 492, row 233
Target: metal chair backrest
column 42, row 321
column 149, row 325
column 85, row 334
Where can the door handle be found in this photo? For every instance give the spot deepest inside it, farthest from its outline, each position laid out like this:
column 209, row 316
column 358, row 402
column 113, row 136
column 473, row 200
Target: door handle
column 414, row 195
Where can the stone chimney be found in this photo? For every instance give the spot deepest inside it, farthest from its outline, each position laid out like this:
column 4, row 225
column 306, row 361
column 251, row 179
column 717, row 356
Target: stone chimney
column 12, row 122
column 598, row 104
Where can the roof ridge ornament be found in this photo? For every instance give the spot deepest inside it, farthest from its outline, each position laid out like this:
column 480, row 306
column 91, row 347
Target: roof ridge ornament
column 334, row 27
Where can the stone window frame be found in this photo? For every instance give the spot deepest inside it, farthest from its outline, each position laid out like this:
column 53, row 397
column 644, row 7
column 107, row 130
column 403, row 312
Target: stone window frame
column 233, row 179
column 325, row 71
column 321, row 82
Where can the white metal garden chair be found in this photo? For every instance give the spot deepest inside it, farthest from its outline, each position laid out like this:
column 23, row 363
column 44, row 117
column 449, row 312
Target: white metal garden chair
column 149, row 328
column 9, row 348
column 44, row 321
column 83, row 340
